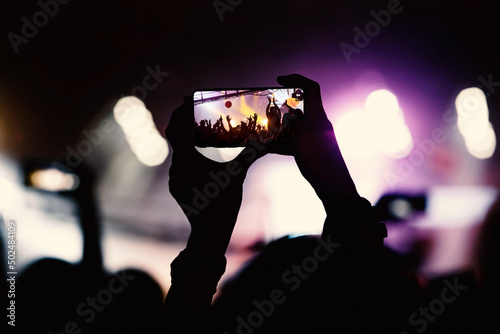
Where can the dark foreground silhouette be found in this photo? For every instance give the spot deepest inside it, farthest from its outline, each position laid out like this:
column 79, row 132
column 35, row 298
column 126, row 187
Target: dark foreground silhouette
column 343, row 281
column 55, row 296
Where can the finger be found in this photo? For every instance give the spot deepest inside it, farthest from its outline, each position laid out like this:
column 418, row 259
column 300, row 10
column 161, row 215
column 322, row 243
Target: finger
column 180, row 129
column 315, row 117
column 311, row 89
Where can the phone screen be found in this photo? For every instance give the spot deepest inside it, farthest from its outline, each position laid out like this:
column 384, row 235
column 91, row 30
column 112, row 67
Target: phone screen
column 237, row 117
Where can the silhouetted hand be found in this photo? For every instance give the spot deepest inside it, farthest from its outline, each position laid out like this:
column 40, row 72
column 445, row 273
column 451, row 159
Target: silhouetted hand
column 314, row 145
column 320, row 161
column 209, row 192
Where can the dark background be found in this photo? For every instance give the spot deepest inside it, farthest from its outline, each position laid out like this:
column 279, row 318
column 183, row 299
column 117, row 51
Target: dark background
column 65, row 79
column 93, row 51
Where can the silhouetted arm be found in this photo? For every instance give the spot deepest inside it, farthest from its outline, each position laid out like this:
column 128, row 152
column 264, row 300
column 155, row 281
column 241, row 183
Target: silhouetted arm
column 317, row 154
column 274, row 102
column 198, row 268
column 89, row 220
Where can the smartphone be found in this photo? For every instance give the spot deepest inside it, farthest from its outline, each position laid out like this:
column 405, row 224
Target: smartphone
column 240, row 117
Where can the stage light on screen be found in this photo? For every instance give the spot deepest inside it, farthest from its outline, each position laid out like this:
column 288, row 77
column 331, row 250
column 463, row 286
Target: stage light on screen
column 54, row 180
column 283, row 95
column 473, row 123
column 293, row 103
column 140, row 131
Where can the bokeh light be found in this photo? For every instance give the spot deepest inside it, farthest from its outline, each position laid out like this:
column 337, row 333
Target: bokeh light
column 145, row 141
column 471, row 104
column 54, row 180
column 381, row 126
column 6, row 193
column 382, row 103
column 151, row 150
column 355, row 134
column 482, row 147
column 473, row 123
column 395, row 139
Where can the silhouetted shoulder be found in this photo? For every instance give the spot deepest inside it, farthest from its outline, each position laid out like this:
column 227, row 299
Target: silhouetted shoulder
column 308, row 284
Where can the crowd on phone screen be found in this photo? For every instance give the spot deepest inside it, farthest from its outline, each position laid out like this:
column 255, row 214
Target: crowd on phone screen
column 277, row 130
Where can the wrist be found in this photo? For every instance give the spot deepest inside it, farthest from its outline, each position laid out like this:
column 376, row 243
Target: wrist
column 197, row 270
column 331, row 184
column 211, row 230
column 336, row 205
column 352, row 218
